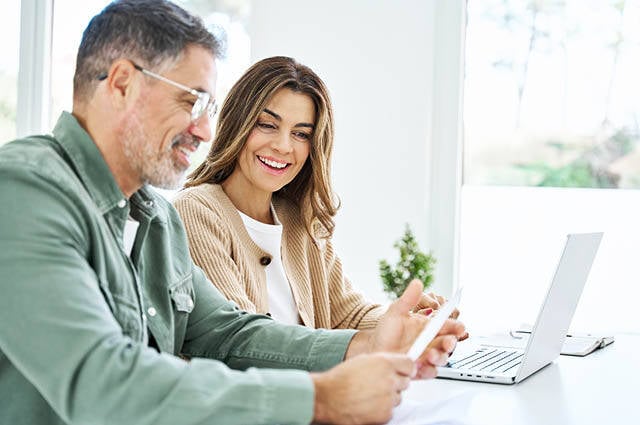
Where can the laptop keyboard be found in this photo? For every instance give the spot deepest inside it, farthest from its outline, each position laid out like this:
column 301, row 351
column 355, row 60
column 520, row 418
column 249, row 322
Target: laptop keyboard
column 489, row 360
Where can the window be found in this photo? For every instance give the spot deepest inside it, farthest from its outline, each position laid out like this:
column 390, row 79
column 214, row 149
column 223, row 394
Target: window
column 551, row 93
column 69, row 20
column 231, row 17
column 550, row 105
column 9, row 54
column 71, row 17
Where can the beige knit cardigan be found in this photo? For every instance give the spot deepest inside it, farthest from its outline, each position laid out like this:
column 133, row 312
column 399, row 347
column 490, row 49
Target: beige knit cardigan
column 221, row 246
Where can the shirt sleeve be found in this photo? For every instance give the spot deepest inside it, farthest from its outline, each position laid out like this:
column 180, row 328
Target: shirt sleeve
column 245, row 340
column 58, row 332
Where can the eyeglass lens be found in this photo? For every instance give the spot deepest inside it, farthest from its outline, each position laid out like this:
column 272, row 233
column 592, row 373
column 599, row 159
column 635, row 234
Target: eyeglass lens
column 202, row 105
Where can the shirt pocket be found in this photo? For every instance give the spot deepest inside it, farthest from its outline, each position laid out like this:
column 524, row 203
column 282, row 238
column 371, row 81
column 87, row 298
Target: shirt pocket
column 183, row 302
column 182, row 295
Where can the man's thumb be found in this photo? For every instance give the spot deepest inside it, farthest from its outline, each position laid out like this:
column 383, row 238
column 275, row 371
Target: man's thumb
column 409, row 298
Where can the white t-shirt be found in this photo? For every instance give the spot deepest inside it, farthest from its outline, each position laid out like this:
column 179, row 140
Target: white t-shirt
column 129, row 234
column 268, row 237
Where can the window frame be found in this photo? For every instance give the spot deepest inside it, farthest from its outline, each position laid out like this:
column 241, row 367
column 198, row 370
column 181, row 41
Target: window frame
column 34, row 72
column 447, row 142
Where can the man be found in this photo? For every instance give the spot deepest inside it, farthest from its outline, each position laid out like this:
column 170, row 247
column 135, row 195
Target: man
column 99, row 294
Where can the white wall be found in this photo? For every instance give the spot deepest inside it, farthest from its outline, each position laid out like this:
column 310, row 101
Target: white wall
column 377, row 58
column 512, row 238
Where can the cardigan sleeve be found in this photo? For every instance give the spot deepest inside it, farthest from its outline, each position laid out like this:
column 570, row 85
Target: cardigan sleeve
column 349, row 308
column 210, row 248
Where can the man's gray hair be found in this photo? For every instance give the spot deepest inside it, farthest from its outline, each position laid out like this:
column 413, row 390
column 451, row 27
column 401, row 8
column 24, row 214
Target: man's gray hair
column 151, row 32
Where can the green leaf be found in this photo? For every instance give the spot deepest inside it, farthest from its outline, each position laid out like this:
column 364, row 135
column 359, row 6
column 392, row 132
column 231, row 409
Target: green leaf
column 412, row 264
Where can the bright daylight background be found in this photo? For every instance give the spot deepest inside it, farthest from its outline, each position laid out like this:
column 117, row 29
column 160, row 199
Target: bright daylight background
column 551, row 101
column 9, row 50
column 549, row 114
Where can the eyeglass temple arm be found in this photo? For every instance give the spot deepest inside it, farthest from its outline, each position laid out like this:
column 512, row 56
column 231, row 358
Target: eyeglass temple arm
column 168, row 81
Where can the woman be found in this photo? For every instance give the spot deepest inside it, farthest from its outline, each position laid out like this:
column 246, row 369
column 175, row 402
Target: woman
column 259, row 211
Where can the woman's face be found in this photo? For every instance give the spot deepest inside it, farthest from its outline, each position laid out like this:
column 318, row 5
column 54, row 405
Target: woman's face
column 279, row 144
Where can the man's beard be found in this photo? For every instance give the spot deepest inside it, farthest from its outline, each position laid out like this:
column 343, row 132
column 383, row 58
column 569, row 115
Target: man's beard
column 156, row 167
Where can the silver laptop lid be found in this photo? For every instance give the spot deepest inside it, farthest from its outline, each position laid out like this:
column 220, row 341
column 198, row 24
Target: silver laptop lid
column 560, row 303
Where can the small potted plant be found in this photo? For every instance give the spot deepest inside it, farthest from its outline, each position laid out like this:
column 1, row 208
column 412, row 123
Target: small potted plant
column 413, row 264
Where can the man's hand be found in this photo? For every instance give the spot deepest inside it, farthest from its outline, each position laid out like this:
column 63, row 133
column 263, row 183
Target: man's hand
column 438, row 350
column 362, row 390
column 398, row 328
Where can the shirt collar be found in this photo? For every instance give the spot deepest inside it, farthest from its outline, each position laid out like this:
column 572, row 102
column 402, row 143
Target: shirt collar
column 93, row 171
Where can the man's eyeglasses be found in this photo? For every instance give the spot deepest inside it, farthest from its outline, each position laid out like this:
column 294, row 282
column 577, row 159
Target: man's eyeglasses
column 204, row 102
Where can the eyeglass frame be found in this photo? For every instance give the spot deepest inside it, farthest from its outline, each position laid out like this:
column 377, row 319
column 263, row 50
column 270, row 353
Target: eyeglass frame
column 203, row 98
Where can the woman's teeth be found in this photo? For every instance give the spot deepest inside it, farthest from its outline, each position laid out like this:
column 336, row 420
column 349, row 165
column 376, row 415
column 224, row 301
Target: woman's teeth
column 273, row 164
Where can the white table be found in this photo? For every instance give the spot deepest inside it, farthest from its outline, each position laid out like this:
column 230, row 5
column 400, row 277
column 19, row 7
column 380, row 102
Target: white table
column 602, row 388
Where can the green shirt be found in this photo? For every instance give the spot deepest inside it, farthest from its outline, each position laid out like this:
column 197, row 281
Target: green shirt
column 76, row 310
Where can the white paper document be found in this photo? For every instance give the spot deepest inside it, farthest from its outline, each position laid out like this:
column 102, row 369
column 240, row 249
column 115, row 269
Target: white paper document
column 438, row 411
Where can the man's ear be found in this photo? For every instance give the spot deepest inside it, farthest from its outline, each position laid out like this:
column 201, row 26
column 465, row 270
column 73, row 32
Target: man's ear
column 122, row 83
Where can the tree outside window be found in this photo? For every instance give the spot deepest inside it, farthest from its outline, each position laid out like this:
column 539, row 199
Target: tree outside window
column 551, row 93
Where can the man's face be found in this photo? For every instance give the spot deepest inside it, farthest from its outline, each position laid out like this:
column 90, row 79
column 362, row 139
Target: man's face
column 159, row 135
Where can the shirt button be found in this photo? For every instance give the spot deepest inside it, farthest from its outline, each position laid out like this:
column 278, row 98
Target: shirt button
column 265, row 261
column 149, row 204
column 151, row 311
column 122, row 203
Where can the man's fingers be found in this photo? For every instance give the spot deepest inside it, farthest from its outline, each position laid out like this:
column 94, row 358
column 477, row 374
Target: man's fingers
column 452, row 327
column 444, row 343
column 437, row 354
column 402, row 383
column 426, row 371
column 402, row 365
column 409, row 298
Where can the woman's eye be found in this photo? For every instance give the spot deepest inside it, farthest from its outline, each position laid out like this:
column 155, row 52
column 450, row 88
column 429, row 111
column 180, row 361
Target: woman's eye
column 302, row 135
column 266, row 126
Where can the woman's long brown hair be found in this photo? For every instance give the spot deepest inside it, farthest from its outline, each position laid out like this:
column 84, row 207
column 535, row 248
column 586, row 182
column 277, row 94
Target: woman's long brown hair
column 311, row 189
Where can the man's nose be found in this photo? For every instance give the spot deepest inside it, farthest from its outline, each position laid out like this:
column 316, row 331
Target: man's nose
column 201, row 128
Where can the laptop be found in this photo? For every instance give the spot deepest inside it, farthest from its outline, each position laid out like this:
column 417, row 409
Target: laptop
column 492, row 361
